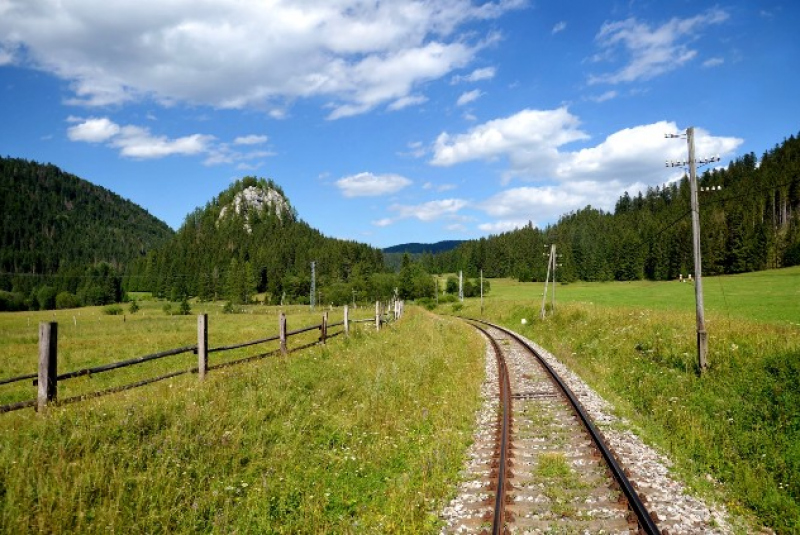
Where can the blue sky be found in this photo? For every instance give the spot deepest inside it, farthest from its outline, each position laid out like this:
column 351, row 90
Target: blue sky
column 393, row 122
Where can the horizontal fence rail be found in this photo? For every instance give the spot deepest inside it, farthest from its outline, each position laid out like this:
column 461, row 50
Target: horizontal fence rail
column 47, row 377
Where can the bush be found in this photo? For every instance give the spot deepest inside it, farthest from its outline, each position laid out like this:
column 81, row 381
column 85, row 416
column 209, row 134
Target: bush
column 427, row 302
column 112, row 310
column 184, row 309
column 167, row 308
column 228, row 308
column 457, row 307
column 134, row 307
column 67, row 300
column 46, row 296
column 11, row 301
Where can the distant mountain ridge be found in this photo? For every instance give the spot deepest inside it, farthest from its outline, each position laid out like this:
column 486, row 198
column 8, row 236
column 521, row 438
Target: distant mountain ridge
column 419, row 248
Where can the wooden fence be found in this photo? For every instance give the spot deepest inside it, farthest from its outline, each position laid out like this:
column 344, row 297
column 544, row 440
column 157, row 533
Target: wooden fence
column 47, row 378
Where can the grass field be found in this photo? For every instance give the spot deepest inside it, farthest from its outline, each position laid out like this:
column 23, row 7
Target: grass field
column 363, row 435
column 734, row 433
column 769, row 296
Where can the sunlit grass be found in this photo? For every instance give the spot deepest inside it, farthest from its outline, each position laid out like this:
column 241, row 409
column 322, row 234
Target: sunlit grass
column 363, row 435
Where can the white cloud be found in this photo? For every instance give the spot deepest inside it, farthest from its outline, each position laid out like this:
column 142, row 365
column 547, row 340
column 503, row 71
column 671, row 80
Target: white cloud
column 529, row 139
column 94, row 130
column 651, row 51
column 137, row 142
column 252, row 139
column 608, row 95
column 405, row 102
column 469, row 96
column 713, row 62
column 559, row 27
column 485, row 73
column 438, row 187
column 503, row 225
column 383, row 222
column 430, row 211
column 140, row 143
column 6, row 56
column 532, row 142
column 370, row 185
column 351, row 54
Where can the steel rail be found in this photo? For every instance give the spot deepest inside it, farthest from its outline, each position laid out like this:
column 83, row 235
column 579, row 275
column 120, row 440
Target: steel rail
column 646, row 522
column 498, row 522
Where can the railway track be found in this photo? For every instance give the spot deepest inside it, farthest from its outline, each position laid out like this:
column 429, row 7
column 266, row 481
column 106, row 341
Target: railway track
column 539, row 465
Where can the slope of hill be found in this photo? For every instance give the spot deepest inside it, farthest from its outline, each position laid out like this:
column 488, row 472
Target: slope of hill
column 59, row 229
column 54, row 220
column 249, row 240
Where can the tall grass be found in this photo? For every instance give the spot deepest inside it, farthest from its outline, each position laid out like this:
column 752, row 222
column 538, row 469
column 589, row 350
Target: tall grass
column 364, row 435
column 735, row 431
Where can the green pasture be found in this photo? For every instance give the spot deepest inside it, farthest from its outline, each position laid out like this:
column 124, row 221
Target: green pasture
column 362, row 435
column 769, row 296
column 89, row 337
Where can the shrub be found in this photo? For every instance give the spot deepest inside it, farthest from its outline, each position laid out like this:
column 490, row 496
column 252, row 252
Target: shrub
column 112, row 310
column 67, row 300
column 46, row 297
column 167, row 308
column 11, row 301
column 457, row 307
column 133, row 308
column 184, row 309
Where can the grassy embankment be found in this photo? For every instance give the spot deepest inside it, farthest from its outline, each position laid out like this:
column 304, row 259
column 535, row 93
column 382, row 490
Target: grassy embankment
column 635, row 343
column 364, row 435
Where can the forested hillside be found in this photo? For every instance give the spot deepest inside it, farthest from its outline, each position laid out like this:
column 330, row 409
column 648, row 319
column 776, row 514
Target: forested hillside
column 752, row 223
column 63, row 234
column 236, row 246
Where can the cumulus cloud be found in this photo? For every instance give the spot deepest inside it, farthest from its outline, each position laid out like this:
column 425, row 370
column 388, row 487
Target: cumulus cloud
column 559, row 27
column 469, row 96
column 138, row 142
column 353, row 55
column 371, row 185
column 529, row 139
column 94, row 130
column 651, row 51
column 533, row 142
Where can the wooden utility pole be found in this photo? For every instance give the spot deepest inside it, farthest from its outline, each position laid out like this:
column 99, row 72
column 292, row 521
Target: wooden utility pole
column 547, row 280
column 481, row 292
column 702, row 335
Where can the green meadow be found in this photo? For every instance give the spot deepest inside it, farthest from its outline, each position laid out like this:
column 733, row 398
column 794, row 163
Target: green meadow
column 361, row 435
column 769, row 296
column 734, row 432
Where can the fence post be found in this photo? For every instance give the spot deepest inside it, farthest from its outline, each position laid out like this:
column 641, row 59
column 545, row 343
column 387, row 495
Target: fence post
column 323, row 334
column 282, row 331
column 202, row 346
column 377, row 315
column 48, row 364
column 346, row 322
